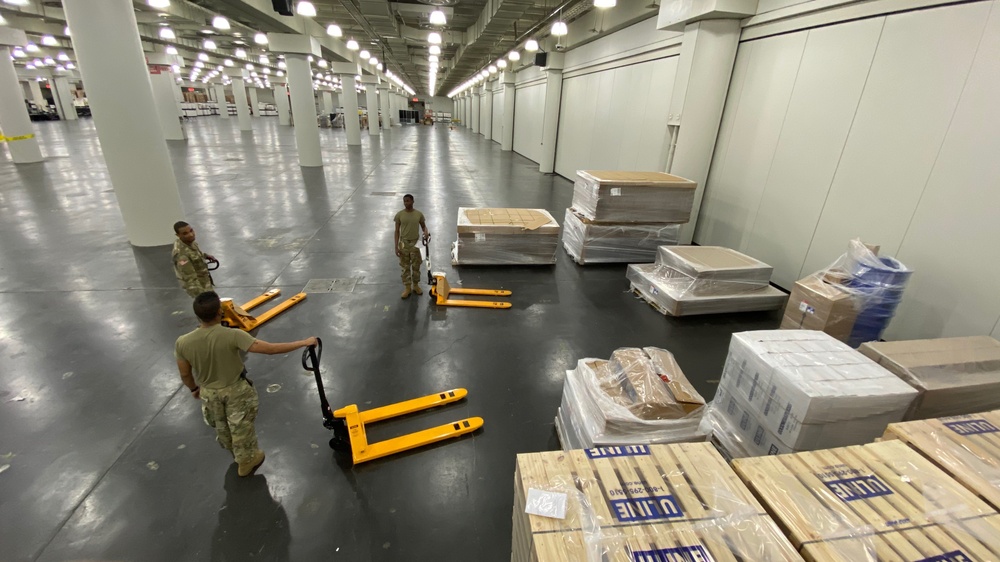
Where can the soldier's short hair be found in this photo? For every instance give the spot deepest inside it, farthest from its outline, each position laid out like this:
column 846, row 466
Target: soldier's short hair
column 408, row 196
column 206, row 306
column 179, row 225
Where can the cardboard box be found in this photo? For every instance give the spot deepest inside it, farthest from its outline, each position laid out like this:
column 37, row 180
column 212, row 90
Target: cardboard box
column 966, row 447
column 881, row 501
column 494, row 236
column 715, row 262
column 818, row 305
column 589, row 242
column 954, row 376
column 617, row 196
column 646, row 387
column 737, row 429
column 655, row 502
column 811, row 390
column 671, row 295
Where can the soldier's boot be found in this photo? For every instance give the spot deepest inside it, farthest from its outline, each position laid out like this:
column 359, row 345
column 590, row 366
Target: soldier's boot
column 417, row 289
column 406, row 292
column 251, row 466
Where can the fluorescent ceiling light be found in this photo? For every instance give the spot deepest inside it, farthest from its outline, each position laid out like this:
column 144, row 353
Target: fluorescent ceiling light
column 152, row 3
column 260, row 39
column 167, row 33
column 306, row 9
column 333, row 30
column 353, row 45
column 438, row 18
column 219, row 22
column 209, row 44
column 605, row 3
column 49, row 40
column 531, row 46
column 171, row 50
column 434, row 50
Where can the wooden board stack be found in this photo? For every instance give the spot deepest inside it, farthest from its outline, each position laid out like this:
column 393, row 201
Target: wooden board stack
column 505, row 236
column 967, row 447
column 882, row 502
column 642, row 503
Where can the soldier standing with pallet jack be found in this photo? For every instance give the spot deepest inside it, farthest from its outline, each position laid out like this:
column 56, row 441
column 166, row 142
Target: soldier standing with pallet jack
column 190, row 263
column 409, row 221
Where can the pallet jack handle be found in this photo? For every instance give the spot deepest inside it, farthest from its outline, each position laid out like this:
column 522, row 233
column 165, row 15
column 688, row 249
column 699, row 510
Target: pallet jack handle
column 209, row 263
column 310, row 362
column 427, row 249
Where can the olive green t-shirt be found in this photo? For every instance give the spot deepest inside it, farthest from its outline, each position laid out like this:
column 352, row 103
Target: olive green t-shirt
column 214, row 354
column 409, row 224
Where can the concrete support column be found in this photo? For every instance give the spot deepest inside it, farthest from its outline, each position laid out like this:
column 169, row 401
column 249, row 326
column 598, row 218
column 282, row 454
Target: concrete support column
column 476, row 109
column 334, row 101
column 36, row 93
column 507, row 135
column 371, row 93
column 470, row 111
column 220, row 97
column 487, row 126
column 349, row 98
column 281, row 104
column 164, row 83
column 704, row 68
column 327, row 102
column 254, row 101
column 240, row 99
column 550, row 114
column 303, row 105
column 64, row 97
column 14, row 120
column 383, row 104
column 107, row 44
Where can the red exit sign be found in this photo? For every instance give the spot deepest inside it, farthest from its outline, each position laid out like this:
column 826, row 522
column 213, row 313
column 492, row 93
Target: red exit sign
column 415, row 99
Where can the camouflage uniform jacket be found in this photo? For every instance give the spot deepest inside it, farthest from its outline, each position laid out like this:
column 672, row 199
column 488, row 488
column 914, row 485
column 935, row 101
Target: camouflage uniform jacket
column 190, row 268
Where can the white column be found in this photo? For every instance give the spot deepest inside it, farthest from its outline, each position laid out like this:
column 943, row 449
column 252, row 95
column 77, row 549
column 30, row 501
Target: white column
column 14, row 120
column 164, row 83
column 371, row 95
column 383, row 104
column 550, row 113
column 699, row 96
column 241, row 101
column 488, row 101
column 334, row 101
column 281, row 104
column 254, row 101
column 327, row 102
column 63, row 97
column 304, row 109
column 220, row 97
column 476, row 97
column 36, row 93
column 107, row 44
column 470, row 98
column 349, row 98
column 507, row 135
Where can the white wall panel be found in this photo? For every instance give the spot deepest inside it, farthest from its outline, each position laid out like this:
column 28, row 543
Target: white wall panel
column 738, row 182
column 484, row 112
column 827, row 90
column 952, row 242
column 528, row 105
column 916, row 78
column 615, row 119
column 498, row 115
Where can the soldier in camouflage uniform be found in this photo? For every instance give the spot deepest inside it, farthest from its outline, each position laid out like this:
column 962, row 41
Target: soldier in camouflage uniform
column 189, row 261
column 211, row 366
column 409, row 221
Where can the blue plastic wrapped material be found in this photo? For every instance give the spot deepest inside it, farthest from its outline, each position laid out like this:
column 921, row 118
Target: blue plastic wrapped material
column 878, row 283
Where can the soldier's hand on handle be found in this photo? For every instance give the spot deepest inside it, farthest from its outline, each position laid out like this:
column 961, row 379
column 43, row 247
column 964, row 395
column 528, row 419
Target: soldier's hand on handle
column 311, row 342
column 398, row 253
column 210, row 257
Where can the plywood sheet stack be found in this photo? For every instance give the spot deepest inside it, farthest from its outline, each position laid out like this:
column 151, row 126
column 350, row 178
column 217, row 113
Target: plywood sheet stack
column 881, row 501
column 783, row 391
column 689, row 280
column 966, row 447
column 641, row 503
column 497, row 236
column 622, row 217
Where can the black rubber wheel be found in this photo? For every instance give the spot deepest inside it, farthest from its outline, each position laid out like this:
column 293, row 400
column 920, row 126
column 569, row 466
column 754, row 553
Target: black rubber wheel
column 339, row 445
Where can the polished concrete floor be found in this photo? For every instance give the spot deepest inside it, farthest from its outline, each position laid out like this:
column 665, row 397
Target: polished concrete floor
column 103, row 454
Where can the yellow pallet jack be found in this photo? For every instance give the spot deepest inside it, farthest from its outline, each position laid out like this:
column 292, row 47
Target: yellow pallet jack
column 348, row 423
column 237, row 316
column 441, row 291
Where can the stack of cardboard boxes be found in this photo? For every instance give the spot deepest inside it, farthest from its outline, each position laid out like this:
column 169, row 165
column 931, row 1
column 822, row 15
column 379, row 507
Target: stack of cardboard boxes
column 687, row 280
column 496, row 236
column 640, row 396
column 622, row 217
column 784, row 391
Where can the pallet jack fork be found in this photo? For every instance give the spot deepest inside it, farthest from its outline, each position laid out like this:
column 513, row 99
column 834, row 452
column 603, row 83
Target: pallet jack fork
column 237, row 316
column 348, row 423
column 441, row 291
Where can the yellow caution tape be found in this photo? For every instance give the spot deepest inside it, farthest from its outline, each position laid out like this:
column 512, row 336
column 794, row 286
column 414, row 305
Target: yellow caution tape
column 11, row 139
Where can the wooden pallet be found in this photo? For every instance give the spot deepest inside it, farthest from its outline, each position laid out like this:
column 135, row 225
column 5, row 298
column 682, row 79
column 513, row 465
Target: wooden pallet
column 648, row 299
column 966, row 447
column 881, row 501
column 643, row 499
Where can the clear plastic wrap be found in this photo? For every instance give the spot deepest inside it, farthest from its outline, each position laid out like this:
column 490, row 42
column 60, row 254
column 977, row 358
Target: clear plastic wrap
column 589, row 242
column 967, row 447
column 629, row 403
column 872, row 503
column 853, row 299
column 501, row 236
column 615, row 196
column 954, row 376
column 642, row 503
column 673, row 293
column 801, row 390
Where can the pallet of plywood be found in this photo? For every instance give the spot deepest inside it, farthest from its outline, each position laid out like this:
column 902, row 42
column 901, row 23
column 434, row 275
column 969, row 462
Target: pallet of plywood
column 641, row 502
column 966, row 447
column 882, row 501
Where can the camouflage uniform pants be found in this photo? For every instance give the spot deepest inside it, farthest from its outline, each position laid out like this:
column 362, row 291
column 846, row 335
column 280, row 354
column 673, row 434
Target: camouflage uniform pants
column 231, row 411
column 197, row 286
column 410, row 260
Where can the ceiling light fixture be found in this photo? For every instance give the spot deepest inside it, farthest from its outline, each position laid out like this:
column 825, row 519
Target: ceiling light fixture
column 559, row 29
column 157, row 3
column 263, row 59
column 603, row 4
column 282, row 65
column 49, row 40
column 260, row 39
column 240, row 53
column 19, row 53
column 514, row 56
column 434, row 38
column 353, row 45
column 208, row 44
column 249, row 67
column 492, row 69
column 380, row 67
column 531, row 46
column 49, row 61
column 31, row 48
column 434, row 50
column 438, row 18
column 199, row 64
column 322, row 63
column 219, row 22
column 63, row 57
column 432, row 58
column 333, row 30
column 373, row 61
column 66, row 31
column 171, row 50
column 228, row 62
column 167, row 33
column 365, row 55
column 70, row 66
column 306, row 9
column 502, row 63
column 29, row 66
column 279, row 73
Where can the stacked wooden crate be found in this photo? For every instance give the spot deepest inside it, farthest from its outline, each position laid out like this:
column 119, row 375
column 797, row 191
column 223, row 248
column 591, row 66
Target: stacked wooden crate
column 655, row 502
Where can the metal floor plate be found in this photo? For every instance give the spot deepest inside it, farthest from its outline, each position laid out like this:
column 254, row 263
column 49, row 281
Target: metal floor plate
column 341, row 285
